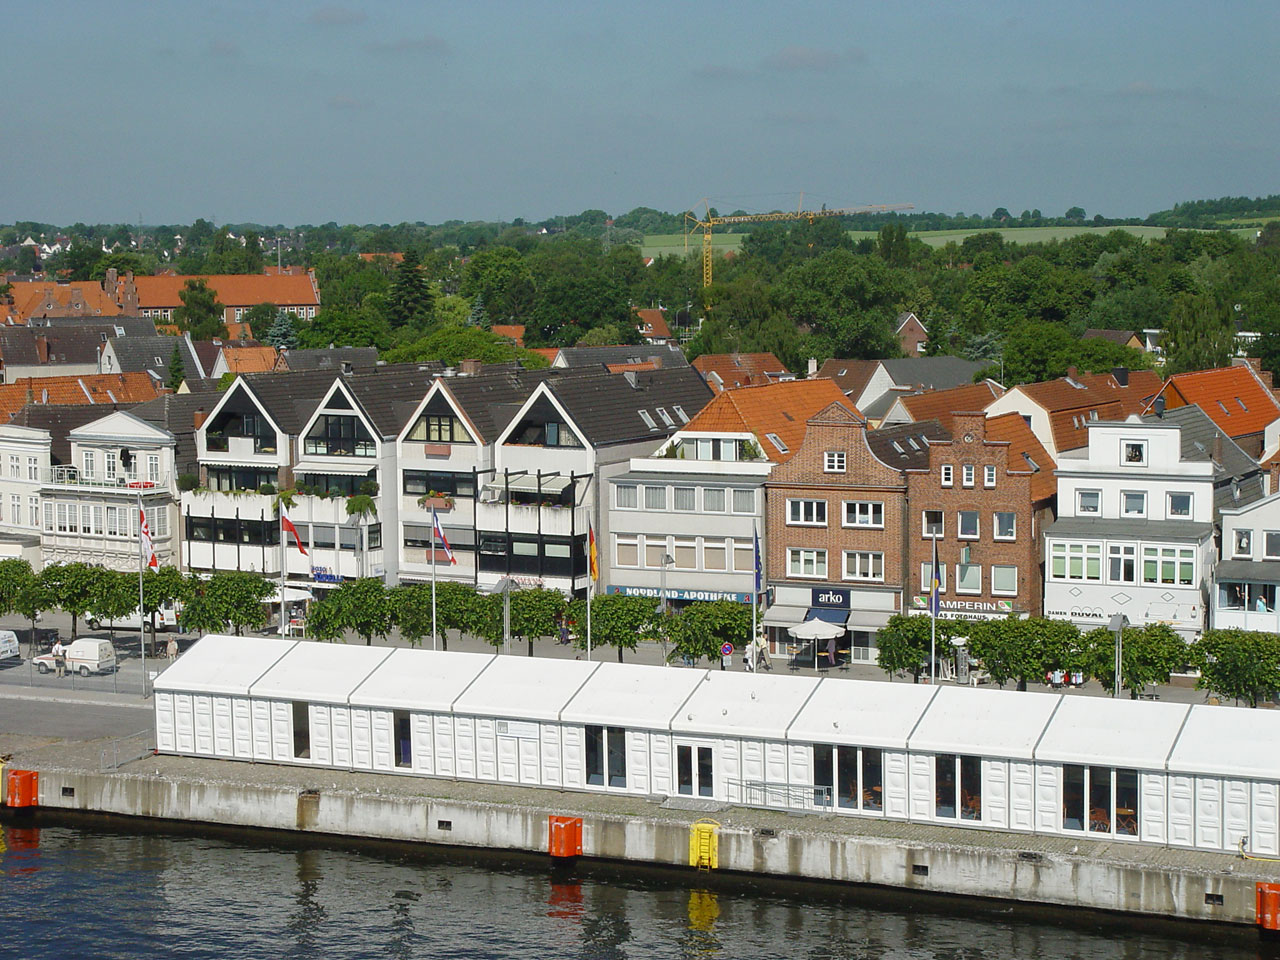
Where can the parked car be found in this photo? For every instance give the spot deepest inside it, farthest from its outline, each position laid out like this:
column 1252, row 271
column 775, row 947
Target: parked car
column 166, row 619
column 9, row 645
column 84, row 656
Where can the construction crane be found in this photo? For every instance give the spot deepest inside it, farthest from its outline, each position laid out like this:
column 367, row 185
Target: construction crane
column 707, row 222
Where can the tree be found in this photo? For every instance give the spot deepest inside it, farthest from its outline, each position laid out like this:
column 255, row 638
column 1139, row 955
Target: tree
column 536, row 613
column 411, row 611
column 703, row 627
column 21, row 591
column 1020, row 649
column 177, row 369
column 1240, row 664
column 72, row 588
column 200, row 313
column 904, row 644
column 1198, row 336
column 281, row 333
column 1150, row 654
column 165, row 585
column 362, row 606
column 450, row 344
column 117, row 597
column 230, row 597
column 1075, row 213
column 616, row 620
column 410, row 301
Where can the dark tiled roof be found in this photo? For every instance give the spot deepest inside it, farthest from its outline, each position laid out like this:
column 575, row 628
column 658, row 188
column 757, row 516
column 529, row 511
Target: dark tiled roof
column 607, row 407
column 669, row 354
column 289, row 398
column 932, row 373
column 490, row 400
column 175, row 412
column 906, row 446
column 851, row 376
column 30, row 345
column 331, row 359
column 1237, row 478
column 131, row 326
column 141, row 353
column 60, row 420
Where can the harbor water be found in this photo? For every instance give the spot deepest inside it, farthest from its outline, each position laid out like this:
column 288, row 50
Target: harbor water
column 79, row 887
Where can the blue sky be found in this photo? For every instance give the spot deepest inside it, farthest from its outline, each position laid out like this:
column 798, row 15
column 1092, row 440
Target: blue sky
column 369, row 113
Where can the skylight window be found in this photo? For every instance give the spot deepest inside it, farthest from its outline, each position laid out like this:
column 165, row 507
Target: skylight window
column 912, row 443
column 1034, row 466
column 648, row 420
column 1240, row 400
column 666, row 417
column 897, row 446
column 1224, row 407
column 777, row 442
column 684, row 417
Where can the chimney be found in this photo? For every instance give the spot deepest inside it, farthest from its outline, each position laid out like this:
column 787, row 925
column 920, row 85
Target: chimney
column 1072, row 373
column 1217, row 447
column 346, row 367
column 109, row 282
column 1121, row 375
column 1157, row 406
column 469, row 368
column 197, row 419
column 813, row 367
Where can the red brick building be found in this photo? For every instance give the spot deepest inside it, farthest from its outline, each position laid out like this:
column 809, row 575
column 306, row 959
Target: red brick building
column 983, row 501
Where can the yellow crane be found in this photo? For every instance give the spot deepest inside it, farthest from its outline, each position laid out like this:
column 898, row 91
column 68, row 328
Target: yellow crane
column 706, row 222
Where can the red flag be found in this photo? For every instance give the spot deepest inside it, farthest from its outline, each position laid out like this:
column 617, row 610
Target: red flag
column 288, row 527
column 439, row 532
column 148, row 548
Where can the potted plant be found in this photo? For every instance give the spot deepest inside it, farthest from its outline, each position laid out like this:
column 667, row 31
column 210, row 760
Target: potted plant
column 434, row 498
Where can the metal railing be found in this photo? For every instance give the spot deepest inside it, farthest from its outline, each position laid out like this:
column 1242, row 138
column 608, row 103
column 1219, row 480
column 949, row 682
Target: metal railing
column 125, row 483
column 772, row 796
column 126, row 750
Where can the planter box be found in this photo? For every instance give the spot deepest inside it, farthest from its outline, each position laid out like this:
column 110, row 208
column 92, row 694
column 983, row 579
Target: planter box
column 439, row 503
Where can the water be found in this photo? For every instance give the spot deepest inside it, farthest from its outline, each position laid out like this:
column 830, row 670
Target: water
column 77, row 888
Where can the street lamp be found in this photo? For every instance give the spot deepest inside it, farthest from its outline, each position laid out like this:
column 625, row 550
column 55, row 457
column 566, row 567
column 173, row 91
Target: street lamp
column 1117, row 624
column 666, row 559
column 504, row 587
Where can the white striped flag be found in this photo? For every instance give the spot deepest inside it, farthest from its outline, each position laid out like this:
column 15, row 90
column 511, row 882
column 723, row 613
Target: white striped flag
column 439, row 532
column 287, row 526
column 148, row 547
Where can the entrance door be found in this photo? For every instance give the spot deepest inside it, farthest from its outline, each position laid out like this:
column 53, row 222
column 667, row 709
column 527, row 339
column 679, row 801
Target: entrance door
column 695, row 770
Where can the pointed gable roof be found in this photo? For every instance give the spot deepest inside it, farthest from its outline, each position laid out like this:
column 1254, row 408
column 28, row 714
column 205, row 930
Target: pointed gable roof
column 725, row 370
column 1025, row 453
column 782, row 409
column 941, row 404
column 1234, row 398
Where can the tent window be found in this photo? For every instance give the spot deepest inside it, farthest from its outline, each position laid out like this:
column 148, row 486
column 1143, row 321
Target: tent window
column 301, row 731
column 404, row 738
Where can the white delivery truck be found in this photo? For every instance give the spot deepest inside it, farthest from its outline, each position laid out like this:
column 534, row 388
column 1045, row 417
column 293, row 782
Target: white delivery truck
column 9, row 646
column 84, row 656
column 166, row 619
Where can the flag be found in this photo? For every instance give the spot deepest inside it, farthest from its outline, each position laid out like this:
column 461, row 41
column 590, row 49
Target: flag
column 288, row 527
column 439, row 532
column 148, row 548
column 755, row 536
column 591, row 552
column 935, row 601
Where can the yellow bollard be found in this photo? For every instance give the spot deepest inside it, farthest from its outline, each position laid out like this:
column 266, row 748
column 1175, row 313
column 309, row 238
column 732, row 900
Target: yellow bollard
column 704, row 844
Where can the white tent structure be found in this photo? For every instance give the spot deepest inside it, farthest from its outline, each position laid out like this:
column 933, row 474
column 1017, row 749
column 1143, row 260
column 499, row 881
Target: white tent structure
column 1203, row 777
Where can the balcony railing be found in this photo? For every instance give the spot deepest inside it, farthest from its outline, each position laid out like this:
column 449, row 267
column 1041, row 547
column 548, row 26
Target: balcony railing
column 122, row 483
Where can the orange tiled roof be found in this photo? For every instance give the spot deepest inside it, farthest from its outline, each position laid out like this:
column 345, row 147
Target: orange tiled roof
column 393, row 257
column 103, row 388
column 549, row 352
column 168, row 330
column 941, row 404
column 653, row 323
column 782, row 409
column 259, row 359
column 634, row 367
column 238, row 330
column 512, row 331
column 1233, row 397
column 739, row 369
column 29, row 295
column 1025, row 452
column 233, row 290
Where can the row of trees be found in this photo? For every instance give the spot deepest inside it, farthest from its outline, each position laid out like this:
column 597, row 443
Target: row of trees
column 1235, row 664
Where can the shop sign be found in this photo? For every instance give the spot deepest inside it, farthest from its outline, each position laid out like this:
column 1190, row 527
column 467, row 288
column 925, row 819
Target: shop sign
column 1078, row 613
column 830, row 597
column 959, row 608
column 324, row 575
column 673, row 594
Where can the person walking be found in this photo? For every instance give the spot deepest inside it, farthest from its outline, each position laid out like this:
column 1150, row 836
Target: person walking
column 59, row 657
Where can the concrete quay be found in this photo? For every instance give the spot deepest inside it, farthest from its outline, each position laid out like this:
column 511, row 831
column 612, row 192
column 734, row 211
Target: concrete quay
column 1157, row 882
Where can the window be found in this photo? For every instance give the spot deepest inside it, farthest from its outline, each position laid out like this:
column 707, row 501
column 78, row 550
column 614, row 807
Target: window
column 968, row 578
column 863, row 513
column 33, row 511
column 1172, row 566
column 655, row 498
column 713, row 555
column 15, row 509
column 111, row 458
column 713, row 500
column 1006, row 526
column 1179, row 505
column 685, row 552
column 744, row 557
column 435, row 428
column 835, row 774
column 648, row 420
column 744, row 501
column 626, row 551
column 684, row 417
column 806, row 513
column 1271, row 544
column 686, row 499
column 88, row 461
column 33, row 468
column 833, row 461
column 626, row 496
column 989, row 476
column 301, row 730
column 777, row 442
column 932, row 523
column 968, row 525
column 1089, row 501
column 48, row 516
column 1004, row 580
column 807, row 563
column 15, row 468
column 957, row 785
column 926, row 577
column 402, row 724
column 1243, row 543
column 1122, row 563
column 153, row 468
column 947, row 473
column 1075, row 561
column 666, row 417
column 606, row 756
column 860, row 565
column 655, row 550
column 1100, row 800
column 967, row 474
column 1133, row 503
column 1133, row 453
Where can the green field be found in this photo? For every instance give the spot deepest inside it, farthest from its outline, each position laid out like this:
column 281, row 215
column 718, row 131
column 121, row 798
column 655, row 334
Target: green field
column 674, row 243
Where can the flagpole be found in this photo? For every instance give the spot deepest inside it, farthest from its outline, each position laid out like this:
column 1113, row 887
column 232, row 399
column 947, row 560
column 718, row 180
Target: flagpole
column 755, row 597
column 933, row 617
column 284, row 553
column 142, row 627
column 434, row 635
column 589, row 585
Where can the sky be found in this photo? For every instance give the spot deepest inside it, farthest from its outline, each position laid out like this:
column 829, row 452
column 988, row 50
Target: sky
column 307, row 112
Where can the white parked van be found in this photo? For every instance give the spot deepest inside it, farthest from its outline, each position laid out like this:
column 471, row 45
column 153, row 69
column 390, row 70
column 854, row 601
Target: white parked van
column 166, row 619
column 9, row 645
column 84, row 656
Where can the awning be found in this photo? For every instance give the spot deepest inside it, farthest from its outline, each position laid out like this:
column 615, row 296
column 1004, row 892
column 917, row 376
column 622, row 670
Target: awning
column 868, row 619
column 291, row 594
column 528, row 483
column 829, row 614
column 1248, row 571
column 341, row 469
column 780, row 615
column 242, row 464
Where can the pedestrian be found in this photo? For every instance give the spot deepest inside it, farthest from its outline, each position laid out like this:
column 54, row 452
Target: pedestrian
column 172, row 648
column 60, row 657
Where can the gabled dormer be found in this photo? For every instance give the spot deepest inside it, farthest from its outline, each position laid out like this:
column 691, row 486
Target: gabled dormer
column 338, row 428
column 543, row 423
column 240, row 426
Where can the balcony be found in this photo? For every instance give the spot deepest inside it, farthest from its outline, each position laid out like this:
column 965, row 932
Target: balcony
column 240, row 446
column 552, row 521
column 75, row 478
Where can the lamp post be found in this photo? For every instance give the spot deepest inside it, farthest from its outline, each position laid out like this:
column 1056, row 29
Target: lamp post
column 505, row 586
column 662, row 602
column 1117, row 624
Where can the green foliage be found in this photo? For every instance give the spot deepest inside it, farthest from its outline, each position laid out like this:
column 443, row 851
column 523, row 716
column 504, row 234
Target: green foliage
column 452, row 344
column 904, row 644
column 361, row 505
column 72, row 588
column 362, row 607
column 260, row 317
column 1239, row 664
column 1198, row 336
column 616, row 621
column 200, row 313
column 1020, row 649
column 1150, row 654
column 188, row 482
column 850, row 303
column 15, row 577
column 231, row 597
column 536, row 613
column 410, row 301
column 177, row 369
column 343, row 326
column 699, row 630
column 116, row 596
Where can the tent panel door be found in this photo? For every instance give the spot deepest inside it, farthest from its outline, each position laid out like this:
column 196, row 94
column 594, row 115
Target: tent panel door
column 896, row 787
column 1264, row 834
column 263, row 728
column 321, row 734
column 361, row 739
column 1048, row 798
column 1022, row 796
column 423, row 744
column 223, row 736
column 486, row 750
column 202, row 708
column 573, row 762
column 921, row 784
column 1235, row 812
column 165, row 739
column 340, row 721
column 1153, row 812
column 1182, row 811
column 1208, row 813
column 551, row 761
column 242, row 728
column 993, row 808
column 384, row 756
